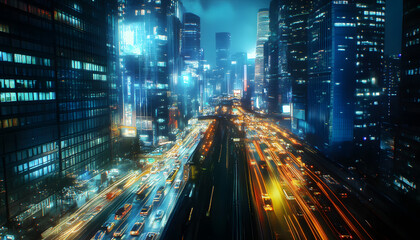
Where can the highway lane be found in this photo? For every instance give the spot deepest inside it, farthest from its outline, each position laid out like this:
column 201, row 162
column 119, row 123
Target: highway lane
column 310, row 208
column 219, row 206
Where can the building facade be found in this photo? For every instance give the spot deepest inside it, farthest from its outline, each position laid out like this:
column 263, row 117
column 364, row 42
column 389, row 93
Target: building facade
column 150, row 58
column 223, row 41
column 263, row 32
column 368, row 108
column 55, row 85
column 331, row 76
column 407, row 146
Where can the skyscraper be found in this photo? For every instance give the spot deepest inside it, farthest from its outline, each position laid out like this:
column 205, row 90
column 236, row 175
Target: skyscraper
column 263, row 32
column 331, row 76
column 54, row 82
column 407, row 147
column 188, row 89
column 392, row 78
column 222, row 61
column 238, row 72
column 370, row 27
column 345, row 78
column 149, row 48
column 297, row 60
column 191, row 37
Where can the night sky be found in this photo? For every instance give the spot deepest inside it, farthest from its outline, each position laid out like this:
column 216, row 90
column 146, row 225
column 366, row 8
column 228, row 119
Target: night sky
column 239, row 17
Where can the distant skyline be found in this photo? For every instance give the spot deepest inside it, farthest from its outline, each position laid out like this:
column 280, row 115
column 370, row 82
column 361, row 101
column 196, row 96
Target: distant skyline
column 239, row 17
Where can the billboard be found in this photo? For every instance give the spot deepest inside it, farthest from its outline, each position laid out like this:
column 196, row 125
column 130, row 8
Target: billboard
column 127, row 131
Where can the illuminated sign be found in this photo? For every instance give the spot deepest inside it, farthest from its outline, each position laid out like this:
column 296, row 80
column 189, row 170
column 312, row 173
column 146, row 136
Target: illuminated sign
column 128, row 131
column 131, row 39
column 237, row 92
column 286, row 108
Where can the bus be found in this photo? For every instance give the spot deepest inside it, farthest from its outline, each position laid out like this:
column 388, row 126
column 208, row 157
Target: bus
column 171, row 176
column 123, row 211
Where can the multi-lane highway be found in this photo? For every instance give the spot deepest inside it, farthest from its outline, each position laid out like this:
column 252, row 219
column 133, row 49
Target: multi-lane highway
column 132, row 208
column 295, row 197
column 237, row 176
column 217, row 206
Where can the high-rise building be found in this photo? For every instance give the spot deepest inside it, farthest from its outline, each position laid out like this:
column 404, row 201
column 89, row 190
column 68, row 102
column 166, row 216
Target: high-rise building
column 263, row 32
column 368, row 110
column 391, row 78
column 297, row 60
column 331, row 76
column 188, row 89
column 238, row 73
column 222, row 61
column 286, row 70
column 55, row 86
column 149, row 48
column 407, row 146
column 191, row 37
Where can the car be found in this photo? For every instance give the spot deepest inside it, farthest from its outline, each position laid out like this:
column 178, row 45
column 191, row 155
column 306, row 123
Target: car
column 158, row 197
column 137, row 228
column 161, row 190
column 122, row 212
column 151, row 236
column 97, row 209
column 72, row 220
column 159, row 214
column 145, row 211
column 177, row 184
column 99, row 235
column 268, row 205
column 145, row 177
column 154, row 170
column 108, row 226
column 120, row 231
column 263, row 164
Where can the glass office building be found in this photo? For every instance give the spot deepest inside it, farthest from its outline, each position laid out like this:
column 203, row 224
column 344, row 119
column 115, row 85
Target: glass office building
column 331, row 76
column 54, row 83
column 263, row 32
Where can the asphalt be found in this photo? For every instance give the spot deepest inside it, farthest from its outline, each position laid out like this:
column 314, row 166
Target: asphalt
column 220, row 204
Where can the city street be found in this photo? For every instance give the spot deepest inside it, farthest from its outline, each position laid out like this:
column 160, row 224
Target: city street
column 99, row 212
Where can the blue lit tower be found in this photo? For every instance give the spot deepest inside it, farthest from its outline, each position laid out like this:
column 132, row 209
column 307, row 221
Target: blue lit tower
column 189, row 89
column 191, row 37
column 263, row 32
column 331, row 76
column 222, row 61
column 238, row 72
column 149, row 56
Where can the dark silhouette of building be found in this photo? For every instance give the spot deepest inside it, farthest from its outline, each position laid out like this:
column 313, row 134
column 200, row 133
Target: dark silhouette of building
column 407, row 146
column 391, row 78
